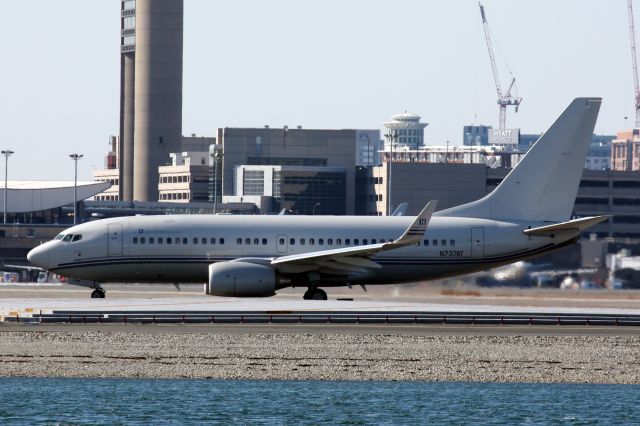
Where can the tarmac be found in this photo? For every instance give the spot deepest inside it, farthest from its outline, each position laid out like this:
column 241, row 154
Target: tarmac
column 30, row 298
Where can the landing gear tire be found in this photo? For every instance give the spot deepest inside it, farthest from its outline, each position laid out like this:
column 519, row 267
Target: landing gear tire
column 98, row 293
column 315, row 294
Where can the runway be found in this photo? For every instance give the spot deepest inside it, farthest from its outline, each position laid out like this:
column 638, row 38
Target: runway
column 290, row 310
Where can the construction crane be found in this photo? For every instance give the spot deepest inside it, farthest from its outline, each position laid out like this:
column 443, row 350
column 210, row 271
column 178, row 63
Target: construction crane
column 506, row 99
column 634, row 62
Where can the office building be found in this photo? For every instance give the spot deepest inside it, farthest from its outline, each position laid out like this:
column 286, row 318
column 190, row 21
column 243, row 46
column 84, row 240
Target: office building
column 599, row 155
column 186, row 180
column 190, row 147
column 314, row 148
column 475, row 135
column 296, row 189
column 625, row 151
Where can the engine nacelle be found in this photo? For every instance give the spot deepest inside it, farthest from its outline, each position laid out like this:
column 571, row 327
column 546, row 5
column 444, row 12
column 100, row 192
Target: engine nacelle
column 241, row 279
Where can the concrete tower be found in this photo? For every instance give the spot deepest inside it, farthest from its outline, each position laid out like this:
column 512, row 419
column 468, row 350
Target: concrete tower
column 151, row 93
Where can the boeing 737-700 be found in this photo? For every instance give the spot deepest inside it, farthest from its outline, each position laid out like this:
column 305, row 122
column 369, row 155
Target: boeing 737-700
column 528, row 214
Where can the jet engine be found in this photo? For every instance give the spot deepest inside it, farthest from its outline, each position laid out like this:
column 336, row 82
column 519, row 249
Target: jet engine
column 241, row 279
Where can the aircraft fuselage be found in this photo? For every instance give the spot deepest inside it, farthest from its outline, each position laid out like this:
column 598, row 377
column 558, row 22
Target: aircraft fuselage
column 181, row 248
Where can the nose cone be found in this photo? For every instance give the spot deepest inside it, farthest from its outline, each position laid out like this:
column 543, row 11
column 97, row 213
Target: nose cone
column 39, row 256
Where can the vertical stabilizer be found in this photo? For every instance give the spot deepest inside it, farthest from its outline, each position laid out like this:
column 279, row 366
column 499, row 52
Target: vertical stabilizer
column 544, row 184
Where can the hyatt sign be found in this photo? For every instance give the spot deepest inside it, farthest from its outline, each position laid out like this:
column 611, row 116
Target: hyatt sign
column 504, row 136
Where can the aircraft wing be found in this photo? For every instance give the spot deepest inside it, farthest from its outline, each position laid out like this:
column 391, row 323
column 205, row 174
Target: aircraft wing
column 576, row 225
column 353, row 259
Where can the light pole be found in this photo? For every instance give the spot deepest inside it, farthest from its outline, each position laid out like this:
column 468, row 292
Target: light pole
column 215, row 156
column 7, row 153
column 314, row 208
column 446, row 157
column 392, row 137
column 75, row 157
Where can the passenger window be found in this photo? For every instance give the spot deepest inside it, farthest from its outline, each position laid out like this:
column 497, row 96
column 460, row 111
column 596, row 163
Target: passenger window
column 256, row 241
column 435, row 243
column 264, row 241
column 203, row 240
column 364, row 241
column 212, row 240
column 320, row 241
column 292, row 241
column 443, row 242
column 373, row 241
column 151, row 240
column 312, row 241
column 195, row 240
column 135, row 239
column 356, row 242
column 159, row 240
column 185, row 240
column 247, row 241
column 425, row 242
column 302, row 241
column 177, row 240
column 239, row 241
column 77, row 237
column 169, row 241
column 338, row 241
column 221, row 240
column 142, row 240
column 347, row 241
column 452, row 242
column 329, row 241
column 281, row 241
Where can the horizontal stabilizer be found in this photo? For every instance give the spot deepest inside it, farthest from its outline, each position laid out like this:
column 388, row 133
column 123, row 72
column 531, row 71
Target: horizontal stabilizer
column 576, row 225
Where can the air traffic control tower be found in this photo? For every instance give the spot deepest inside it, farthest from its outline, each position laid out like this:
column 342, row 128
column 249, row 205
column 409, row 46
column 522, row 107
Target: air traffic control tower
column 150, row 93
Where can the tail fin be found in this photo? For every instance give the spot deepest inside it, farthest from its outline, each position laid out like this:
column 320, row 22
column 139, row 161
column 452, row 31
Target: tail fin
column 544, row 184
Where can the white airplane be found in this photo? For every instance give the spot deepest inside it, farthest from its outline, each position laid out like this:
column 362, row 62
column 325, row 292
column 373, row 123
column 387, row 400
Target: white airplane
column 526, row 215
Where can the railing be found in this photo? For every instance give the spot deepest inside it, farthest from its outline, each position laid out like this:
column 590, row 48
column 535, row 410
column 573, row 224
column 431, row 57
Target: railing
column 327, row 318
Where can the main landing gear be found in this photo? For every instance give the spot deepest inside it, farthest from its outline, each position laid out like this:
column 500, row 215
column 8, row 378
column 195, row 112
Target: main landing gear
column 98, row 293
column 315, row 294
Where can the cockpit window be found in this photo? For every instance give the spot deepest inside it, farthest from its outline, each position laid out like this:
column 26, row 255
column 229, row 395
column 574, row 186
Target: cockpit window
column 67, row 237
column 77, row 237
column 59, row 237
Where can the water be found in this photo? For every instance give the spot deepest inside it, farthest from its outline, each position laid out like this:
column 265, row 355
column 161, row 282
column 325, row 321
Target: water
column 135, row 401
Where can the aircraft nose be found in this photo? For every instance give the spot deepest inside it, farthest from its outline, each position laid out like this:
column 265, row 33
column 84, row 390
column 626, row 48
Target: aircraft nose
column 39, row 256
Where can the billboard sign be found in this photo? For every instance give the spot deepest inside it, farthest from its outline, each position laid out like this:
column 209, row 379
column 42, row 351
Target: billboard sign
column 504, row 136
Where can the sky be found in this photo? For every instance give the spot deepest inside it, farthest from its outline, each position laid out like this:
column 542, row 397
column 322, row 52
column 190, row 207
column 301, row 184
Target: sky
column 331, row 64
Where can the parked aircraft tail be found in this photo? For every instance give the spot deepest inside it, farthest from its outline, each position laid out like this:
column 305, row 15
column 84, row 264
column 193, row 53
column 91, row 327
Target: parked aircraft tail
column 544, row 184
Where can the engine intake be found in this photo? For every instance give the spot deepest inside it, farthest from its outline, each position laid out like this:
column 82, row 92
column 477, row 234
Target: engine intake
column 241, row 279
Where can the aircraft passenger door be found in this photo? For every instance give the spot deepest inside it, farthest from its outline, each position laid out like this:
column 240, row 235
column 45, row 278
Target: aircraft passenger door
column 114, row 242
column 281, row 243
column 477, row 242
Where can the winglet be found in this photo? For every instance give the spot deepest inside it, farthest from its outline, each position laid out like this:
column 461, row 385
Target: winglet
column 400, row 210
column 414, row 233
